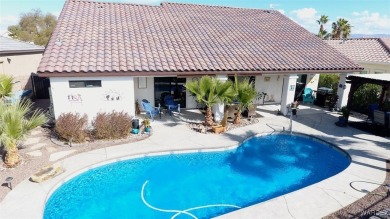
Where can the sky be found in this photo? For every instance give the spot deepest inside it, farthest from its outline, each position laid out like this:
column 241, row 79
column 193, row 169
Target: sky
column 365, row 16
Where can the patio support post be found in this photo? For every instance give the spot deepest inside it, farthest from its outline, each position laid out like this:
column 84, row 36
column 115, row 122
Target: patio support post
column 289, row 84
column 354, row 86
column 217, row 109
column 382, row 97
column 343, row 90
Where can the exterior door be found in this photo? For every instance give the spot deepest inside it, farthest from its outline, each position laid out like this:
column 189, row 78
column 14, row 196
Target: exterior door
column 40, row 87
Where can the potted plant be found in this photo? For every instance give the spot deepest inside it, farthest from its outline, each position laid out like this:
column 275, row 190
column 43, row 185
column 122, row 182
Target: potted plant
column 294, row 107
column 343, row 120
column 218, row 129
column 146, row 124
column 345, row 111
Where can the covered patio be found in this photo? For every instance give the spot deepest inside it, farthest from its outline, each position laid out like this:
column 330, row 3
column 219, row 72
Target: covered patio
column 378, row 113
column 379, row 79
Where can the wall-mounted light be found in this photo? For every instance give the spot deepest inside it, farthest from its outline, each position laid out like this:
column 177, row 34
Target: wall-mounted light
column 342, row 86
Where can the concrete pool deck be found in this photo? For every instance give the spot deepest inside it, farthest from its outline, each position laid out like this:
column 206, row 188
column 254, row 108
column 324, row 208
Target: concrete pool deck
column 368, row 154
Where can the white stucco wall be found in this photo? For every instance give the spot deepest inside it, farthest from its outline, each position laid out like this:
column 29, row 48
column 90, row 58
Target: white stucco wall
column 289, row 86
column 270, row 84
column 372, row 68
column 91, row 100
column 312, row 81
column 20, row 67
column 190, row 100
column 141, row 93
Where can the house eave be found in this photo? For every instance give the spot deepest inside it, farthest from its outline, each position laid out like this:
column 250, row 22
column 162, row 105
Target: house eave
column 21, row 52
column 189, row 73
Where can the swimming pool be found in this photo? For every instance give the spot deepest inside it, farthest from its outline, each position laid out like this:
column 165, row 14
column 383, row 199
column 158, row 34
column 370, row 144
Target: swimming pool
column 198, row 185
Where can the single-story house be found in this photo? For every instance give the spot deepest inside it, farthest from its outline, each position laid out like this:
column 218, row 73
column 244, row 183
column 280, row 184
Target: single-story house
column 19, row 59
column 104, row 56
column 373, row 54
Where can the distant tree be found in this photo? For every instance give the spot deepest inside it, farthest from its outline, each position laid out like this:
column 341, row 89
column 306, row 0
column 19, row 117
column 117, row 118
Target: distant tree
column 34, row 27
column 329, row 80
column 341, row 29
column 322, row 33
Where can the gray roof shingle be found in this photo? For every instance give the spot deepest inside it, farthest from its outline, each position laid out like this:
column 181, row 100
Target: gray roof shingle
column 11, row 46
column 105, row 37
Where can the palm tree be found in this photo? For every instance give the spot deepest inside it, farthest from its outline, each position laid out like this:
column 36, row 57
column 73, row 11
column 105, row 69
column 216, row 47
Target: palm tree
column 341, row 29
column 16, row 122
column 323, row 34
column 246, row 93
column 209, row 91
column 322, row 21
column 227, row 97
column 5, row 86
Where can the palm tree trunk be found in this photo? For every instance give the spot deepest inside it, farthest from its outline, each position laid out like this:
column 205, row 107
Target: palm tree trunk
column 225, row 116
column 237, row 119
column 12, row 157
column 209, row 117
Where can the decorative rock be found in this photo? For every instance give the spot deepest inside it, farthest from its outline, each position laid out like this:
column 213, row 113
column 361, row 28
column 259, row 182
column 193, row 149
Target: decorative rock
column 59, row 155
column 36, row 132
column 36, row 153
column 37, row 146
column 50, row 149
column 31, row 141
column 46, row 173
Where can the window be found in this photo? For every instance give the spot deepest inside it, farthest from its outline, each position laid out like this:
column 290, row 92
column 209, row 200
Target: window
column 89, row 83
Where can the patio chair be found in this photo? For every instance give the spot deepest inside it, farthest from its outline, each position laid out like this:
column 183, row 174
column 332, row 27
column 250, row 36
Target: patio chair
column 17, row 96
column 150, row 110
column 308, row 96
column 171, row 105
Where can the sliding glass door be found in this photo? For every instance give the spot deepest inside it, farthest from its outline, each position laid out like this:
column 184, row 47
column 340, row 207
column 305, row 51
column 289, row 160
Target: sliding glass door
column 170, row 86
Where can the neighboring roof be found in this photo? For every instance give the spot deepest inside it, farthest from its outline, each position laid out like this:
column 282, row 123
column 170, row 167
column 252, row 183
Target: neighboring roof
column 11, row 46
column 364, row 49
column 99, row 37
column 386, row 42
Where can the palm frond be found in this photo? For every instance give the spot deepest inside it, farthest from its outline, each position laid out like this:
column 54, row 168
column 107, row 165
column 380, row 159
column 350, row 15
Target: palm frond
column 15, row 123
column 6, row 86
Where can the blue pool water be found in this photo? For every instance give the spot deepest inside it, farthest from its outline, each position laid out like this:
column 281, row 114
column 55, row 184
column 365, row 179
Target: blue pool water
column 197, row 185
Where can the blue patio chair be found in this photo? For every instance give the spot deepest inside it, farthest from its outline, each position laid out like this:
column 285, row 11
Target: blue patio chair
column 308, row 96
column 171, row 105
column 150, row 110
column 17, row 96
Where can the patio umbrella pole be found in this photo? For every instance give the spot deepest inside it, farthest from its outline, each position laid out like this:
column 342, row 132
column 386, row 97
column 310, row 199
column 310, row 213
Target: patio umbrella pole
column 291, row 116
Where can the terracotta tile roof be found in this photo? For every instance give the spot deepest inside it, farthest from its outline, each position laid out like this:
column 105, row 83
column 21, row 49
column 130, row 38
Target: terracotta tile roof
column 364, row 49
column 172, row 37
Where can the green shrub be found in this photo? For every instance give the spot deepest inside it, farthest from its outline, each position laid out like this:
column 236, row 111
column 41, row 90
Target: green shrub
column 329, row 80
column 364, row 95
column 114, row 125
column 71, row 127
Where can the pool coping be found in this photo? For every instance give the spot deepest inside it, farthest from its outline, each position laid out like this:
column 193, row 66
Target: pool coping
column 297, row 204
